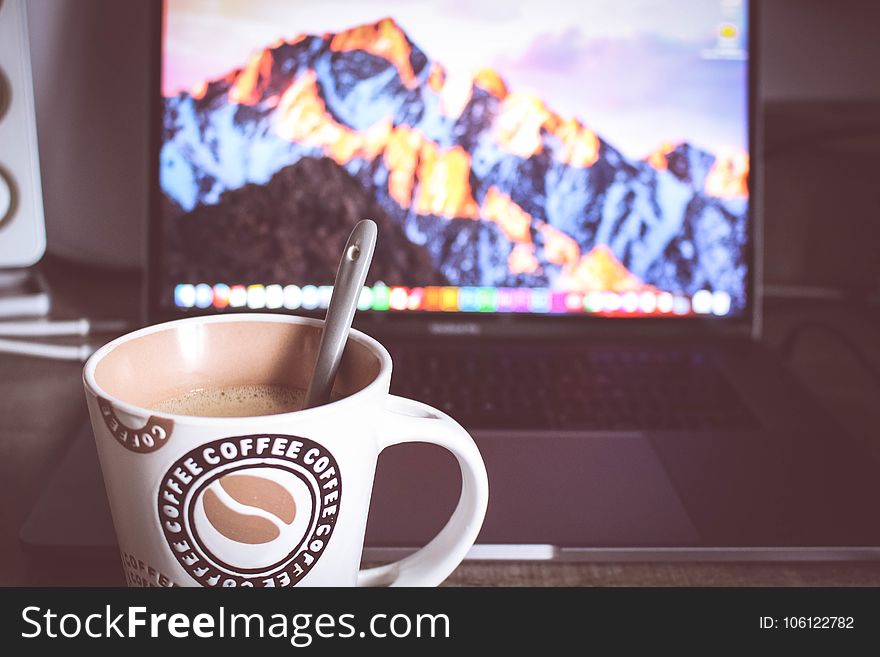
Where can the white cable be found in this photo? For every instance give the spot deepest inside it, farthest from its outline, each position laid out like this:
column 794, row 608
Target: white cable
column 43, row 328
column 45, row 350
column 22, row 329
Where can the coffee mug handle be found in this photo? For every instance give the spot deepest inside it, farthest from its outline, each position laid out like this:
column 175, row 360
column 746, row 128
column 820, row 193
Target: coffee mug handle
column 408, row 421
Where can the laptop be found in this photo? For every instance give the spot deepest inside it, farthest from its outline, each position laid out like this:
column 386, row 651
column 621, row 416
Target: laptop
column 568, row 260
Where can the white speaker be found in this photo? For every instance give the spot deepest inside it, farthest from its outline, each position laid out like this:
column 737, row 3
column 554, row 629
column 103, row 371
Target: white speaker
column 22, row 228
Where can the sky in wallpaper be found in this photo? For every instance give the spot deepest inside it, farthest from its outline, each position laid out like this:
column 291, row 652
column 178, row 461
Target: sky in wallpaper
column 639, row 72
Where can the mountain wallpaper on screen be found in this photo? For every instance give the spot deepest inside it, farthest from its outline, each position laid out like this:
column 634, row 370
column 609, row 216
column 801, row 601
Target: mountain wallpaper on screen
column 490, row 188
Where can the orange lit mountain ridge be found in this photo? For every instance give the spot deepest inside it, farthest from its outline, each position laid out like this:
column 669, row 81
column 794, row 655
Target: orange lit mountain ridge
column 446, row 151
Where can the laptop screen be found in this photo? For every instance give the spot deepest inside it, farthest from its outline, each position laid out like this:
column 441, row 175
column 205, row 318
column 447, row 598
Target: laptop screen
column 518, row 156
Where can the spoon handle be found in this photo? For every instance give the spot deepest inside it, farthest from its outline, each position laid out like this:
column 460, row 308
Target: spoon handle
column 350, row 277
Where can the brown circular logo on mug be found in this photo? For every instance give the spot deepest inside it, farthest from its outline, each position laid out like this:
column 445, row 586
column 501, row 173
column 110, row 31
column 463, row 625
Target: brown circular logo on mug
column 150, row 437
column 253, row 510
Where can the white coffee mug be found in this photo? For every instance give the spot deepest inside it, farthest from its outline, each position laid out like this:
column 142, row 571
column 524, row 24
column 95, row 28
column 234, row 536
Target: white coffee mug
column 272, row 500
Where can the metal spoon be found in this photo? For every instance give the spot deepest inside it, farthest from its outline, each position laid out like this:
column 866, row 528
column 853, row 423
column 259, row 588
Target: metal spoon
column 350, row 277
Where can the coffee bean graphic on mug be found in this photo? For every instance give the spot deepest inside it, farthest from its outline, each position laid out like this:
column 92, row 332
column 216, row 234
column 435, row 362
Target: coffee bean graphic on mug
column 233, row 503
column 250, row 510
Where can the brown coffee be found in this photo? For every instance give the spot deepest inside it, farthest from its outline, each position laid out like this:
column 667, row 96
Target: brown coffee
column 235, row 401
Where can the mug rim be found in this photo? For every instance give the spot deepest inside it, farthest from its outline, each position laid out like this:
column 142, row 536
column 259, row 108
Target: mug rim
column 375, row 347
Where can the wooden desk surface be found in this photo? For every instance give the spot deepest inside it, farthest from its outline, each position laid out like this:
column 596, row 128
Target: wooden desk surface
column 42, row 404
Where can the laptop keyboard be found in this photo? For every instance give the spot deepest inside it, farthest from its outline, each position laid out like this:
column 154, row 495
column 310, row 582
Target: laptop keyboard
column 601, row 390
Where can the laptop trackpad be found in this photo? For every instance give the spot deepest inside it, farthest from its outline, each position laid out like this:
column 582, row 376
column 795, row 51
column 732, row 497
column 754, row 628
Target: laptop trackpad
column 579, row 491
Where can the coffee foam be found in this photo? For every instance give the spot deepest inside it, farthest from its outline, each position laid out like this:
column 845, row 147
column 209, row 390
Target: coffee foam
column 235, row 401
